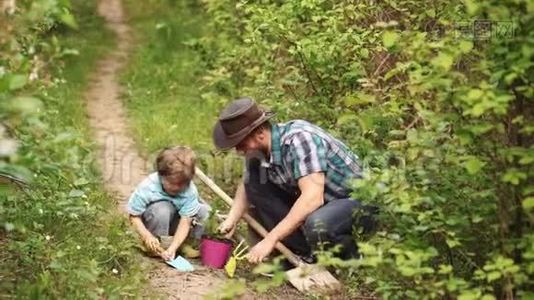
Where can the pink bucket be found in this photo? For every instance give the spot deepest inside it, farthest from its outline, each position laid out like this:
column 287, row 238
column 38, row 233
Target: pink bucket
column 215, row 252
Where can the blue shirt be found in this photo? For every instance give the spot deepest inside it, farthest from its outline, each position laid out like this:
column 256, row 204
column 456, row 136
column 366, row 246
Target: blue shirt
column 299, row 148
column 150, row 190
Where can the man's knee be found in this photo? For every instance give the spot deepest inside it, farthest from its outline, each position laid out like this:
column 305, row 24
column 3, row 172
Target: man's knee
column 316, row 229
column 366, row 218
column 329, row 222
column 325, row 230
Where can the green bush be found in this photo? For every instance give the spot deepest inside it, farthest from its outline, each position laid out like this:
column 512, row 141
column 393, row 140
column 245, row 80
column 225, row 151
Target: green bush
column 439, row 109
column 60, row 237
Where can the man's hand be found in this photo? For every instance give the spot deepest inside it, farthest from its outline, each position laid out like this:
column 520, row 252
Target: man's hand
column 168, row 254
column 227, row 227
column 240, row 205
column 261, row 250
column 151, row 242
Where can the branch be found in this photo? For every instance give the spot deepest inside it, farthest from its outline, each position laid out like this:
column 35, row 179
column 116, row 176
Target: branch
column 412, row 124
column 379, row 68
column 303, row 62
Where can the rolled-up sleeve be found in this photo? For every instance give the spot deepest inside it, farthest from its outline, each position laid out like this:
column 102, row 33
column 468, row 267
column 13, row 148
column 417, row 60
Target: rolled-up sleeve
column 137, row 204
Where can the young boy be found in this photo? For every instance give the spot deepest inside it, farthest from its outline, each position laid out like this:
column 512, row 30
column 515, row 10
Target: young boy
column 167, row 203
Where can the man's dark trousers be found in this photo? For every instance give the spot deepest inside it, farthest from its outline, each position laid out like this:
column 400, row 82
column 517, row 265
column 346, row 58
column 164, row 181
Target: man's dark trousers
column 330, row 225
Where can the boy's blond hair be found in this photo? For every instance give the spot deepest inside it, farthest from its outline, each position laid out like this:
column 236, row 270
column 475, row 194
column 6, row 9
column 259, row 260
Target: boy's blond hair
column 176, row 161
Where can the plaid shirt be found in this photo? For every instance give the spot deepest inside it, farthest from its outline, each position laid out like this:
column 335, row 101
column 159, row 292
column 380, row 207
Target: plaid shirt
column 299, row 148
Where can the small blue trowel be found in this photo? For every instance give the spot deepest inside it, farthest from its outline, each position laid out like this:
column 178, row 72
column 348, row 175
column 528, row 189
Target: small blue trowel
column 181, row 264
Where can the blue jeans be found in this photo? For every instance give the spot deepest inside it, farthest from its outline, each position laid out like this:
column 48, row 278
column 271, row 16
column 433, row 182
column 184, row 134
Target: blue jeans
column 161, row 219
column 330, row 225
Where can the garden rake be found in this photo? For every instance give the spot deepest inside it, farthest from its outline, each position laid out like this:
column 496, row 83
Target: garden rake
column 237, row 254
column 304, row 276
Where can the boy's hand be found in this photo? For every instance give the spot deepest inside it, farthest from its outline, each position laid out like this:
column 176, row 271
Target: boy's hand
column 151, row 242
column 168, row 254
column 227, row 227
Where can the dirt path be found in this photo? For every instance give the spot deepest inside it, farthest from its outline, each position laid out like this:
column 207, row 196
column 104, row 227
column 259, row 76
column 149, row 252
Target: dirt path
column 121, row 164
column 123, row 167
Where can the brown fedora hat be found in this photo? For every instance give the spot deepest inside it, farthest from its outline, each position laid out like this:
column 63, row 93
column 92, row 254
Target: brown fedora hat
column 236, row 121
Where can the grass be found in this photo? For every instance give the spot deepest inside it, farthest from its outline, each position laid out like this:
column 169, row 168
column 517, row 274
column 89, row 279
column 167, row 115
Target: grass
column 165, row 102
column 64, row 239
column 163, row 98
column 164, row 83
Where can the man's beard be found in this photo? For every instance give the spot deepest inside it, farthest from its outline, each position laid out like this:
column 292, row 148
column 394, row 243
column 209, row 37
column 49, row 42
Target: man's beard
column 261, row 154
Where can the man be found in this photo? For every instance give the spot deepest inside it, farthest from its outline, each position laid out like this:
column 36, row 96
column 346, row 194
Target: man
column 296, row 180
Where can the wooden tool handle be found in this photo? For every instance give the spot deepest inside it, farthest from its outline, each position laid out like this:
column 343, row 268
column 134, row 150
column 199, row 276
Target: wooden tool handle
column 251, row 221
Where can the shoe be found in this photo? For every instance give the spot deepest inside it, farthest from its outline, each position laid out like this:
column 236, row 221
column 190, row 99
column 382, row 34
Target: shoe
column 309, row 259
column 189, row 252
column 186, row 250
column 287, row 265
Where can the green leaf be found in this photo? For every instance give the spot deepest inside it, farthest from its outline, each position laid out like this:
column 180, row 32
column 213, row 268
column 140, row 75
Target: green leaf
column 478, row 109
column 359, row 99
column 25, row 104
column 9, row 227
column 528, row 203
column 472, row 6
column 452, row 243
column 445, row 269
column 347, row 118
column 494, row 275
column 466, row 46
column 443, row 61
column 68, row 19
column 509, row 78
column 481, row 128
column 528, row 190
column 76, row 193
column 473, row 165
column 526, row 159
column 265, row 268
column 364, row 53
column 475, row 94
column 81, row 181
column 17, row 171
column 389, row 38
column 469, row 295
column 17, row 81
column 514, row 176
